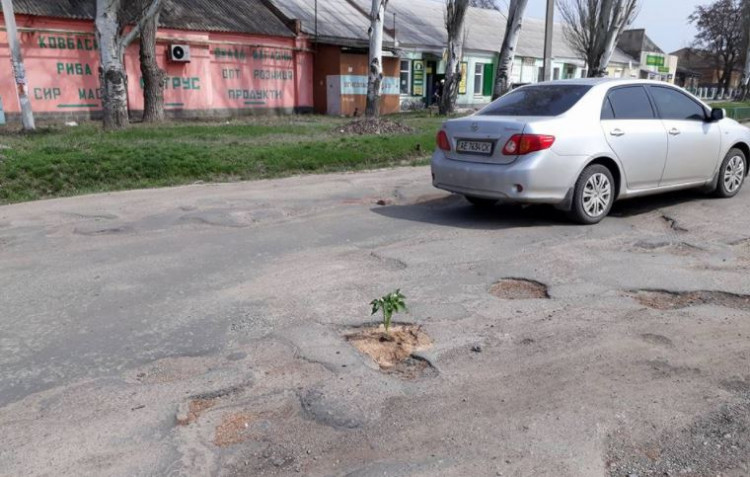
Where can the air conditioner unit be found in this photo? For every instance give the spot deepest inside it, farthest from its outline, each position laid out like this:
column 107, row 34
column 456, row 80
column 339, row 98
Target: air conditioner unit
column 179, row 53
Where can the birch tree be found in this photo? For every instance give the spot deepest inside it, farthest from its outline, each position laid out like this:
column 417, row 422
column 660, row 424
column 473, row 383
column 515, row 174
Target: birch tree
column 455, row 16
column 375, row 72
column 745, row 48
column 594, row 26
column 154, row 78
column 516, row 9
column 113, row 40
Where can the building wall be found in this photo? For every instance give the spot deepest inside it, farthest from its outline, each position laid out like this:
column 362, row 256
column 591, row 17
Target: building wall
column 229, row 74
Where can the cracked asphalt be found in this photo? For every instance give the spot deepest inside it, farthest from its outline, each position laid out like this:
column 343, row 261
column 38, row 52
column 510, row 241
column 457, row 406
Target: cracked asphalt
column 200, row 330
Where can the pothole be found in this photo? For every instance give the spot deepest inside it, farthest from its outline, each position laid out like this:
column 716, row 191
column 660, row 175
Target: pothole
column 394, row 351
column 668, row 300
column 519, row 289
column 676, row 247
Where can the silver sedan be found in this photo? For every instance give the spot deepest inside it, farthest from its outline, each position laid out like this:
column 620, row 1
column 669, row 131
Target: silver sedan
column 582, row 144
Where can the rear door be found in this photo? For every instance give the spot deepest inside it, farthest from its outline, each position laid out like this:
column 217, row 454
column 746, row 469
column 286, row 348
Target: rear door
column 636, row 135
column 694, row 142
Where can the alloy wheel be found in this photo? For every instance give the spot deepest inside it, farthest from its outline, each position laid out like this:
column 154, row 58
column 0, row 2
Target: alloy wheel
column 597, row 194
column 734, row 173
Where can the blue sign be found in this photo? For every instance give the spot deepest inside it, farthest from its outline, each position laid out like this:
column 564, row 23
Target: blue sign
column 357, row 85
column 2, row 113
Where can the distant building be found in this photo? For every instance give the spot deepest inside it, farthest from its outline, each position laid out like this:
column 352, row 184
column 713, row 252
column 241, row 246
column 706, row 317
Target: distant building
column 236, row 59
column 652, row 62
column 707, row 68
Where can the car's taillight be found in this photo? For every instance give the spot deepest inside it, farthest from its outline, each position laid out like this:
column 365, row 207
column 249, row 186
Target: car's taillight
column 521, row 144
column 442, row 141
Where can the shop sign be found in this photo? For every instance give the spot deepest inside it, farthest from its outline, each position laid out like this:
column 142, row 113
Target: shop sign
column 654, row 60
column 417, row 75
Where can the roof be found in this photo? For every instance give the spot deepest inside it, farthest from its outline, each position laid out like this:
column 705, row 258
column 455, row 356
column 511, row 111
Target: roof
column 634, row 42
column 337, row 22
column 420, row 24
column 244, row 16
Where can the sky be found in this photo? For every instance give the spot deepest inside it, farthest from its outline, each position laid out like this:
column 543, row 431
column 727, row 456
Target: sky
column 665, row 21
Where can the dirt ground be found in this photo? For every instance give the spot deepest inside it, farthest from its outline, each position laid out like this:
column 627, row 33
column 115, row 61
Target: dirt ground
column 207, row 330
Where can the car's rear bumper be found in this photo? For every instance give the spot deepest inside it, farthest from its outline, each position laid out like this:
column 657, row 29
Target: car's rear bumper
column 543, row 177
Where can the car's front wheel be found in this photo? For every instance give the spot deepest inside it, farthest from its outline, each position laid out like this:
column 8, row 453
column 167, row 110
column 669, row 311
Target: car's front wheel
column 480, row 202
column 732, row 174
column 594, row 195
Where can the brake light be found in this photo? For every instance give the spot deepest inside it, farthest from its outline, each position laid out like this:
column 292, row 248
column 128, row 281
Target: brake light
column 442, row 141
column 520, row 144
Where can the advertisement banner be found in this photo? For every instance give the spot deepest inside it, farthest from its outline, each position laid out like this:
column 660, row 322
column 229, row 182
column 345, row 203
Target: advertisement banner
column 464, row 74
column 417, row 78
column 357, row 85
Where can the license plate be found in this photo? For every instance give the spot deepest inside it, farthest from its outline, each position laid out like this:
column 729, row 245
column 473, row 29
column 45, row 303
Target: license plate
column 474, row 147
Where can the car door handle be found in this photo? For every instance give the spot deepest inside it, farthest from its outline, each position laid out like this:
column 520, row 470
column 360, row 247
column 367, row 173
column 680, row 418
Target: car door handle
column 674, row 131
column 617, row 132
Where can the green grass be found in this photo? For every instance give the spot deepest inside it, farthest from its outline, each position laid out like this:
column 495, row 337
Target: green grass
column 57, row 161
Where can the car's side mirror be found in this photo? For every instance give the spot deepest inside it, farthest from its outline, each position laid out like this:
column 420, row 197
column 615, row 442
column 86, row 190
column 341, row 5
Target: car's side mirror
column 717, row 114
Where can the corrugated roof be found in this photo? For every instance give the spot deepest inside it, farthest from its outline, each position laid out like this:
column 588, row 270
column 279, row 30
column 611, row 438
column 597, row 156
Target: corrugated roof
column 245, row 16
column 421, row 23
column 336, row 18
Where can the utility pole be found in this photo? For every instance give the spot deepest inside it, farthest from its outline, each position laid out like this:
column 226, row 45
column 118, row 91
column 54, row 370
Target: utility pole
column 19, row 72
column 549, row 27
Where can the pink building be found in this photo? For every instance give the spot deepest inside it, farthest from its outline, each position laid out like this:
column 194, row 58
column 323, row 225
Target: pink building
column 238, row 58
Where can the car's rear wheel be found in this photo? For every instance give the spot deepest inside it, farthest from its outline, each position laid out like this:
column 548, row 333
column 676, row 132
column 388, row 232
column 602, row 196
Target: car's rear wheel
column 732, row 174
column 594, row 195
column 480, row 202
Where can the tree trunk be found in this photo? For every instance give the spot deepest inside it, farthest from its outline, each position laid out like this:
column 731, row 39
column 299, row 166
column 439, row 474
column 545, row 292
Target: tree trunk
column 375, row 74
column 114, row 82
column 454, row 22
column 452, row 76
column 508, row 51
column 154, row 78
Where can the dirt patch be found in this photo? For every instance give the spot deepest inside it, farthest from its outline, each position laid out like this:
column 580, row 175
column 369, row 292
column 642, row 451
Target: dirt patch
column 232, row 429
column 195, row 407
column 519, row 289
column 668, row 300
column 374, row 126
column 394, row 351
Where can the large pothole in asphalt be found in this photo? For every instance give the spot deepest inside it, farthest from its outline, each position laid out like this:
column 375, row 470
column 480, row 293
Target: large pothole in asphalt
column 519, row 289
column 668, row 300
column 394, row 352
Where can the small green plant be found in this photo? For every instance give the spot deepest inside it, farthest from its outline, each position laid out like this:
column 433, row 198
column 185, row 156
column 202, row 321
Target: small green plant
column 389, row 304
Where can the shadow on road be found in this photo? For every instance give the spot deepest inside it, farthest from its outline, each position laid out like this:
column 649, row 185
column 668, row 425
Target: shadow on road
column 454, row 211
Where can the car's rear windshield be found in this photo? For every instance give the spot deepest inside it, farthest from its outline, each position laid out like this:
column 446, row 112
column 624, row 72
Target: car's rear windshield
column 542, row 100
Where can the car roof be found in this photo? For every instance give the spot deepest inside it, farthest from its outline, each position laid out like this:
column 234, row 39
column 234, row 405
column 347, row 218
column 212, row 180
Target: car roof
column 607, row 82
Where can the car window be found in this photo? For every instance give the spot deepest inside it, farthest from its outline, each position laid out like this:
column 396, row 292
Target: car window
column 607, row 111
column 542, row 100
column 631, row 103
column 675, row 105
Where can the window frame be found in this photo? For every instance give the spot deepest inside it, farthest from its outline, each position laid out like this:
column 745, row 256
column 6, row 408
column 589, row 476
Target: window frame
column 654, row 112
column 409, row 76
column 478, row 66
column 658, row 111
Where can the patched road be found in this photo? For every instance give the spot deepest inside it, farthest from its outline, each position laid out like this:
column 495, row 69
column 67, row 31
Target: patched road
column 201, row 330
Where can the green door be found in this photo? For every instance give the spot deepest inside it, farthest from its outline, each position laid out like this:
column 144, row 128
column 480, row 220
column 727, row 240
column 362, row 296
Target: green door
column 489, row 79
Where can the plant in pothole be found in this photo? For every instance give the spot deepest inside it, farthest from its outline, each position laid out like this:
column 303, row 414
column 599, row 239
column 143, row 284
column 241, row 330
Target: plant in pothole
column 389, row 304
